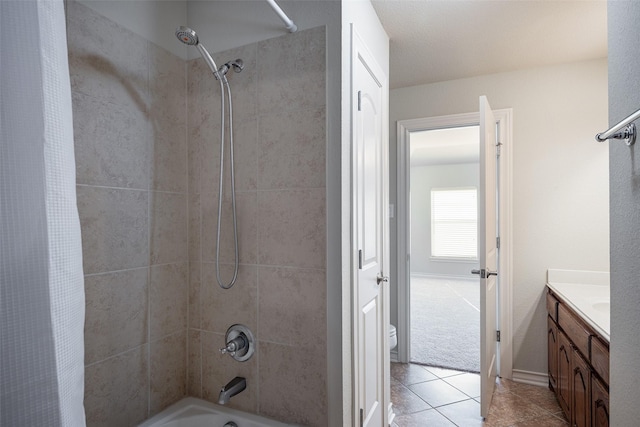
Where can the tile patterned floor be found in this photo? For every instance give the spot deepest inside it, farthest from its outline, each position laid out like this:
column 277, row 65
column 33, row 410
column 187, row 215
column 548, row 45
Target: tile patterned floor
column 426, row 396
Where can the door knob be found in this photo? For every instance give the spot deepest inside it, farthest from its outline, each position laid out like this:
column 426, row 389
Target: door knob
column 380, row 278
column 484, row 273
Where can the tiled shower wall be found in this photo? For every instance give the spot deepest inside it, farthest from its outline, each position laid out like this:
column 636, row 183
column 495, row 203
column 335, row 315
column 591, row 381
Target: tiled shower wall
column 147, row 206
column 129, row 114
column 279, row 104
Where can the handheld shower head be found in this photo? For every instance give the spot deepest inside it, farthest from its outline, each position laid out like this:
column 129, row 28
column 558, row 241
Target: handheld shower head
column 189, row 37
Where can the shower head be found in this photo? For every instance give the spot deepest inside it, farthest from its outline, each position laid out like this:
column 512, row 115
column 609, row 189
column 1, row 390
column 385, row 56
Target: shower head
column 189, row 37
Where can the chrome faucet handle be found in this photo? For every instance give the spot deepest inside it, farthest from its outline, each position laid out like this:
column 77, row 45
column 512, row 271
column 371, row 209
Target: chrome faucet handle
column 236, row 344
column 239, row 343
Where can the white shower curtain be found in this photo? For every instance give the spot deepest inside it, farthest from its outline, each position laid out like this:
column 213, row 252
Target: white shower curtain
column 41, row 280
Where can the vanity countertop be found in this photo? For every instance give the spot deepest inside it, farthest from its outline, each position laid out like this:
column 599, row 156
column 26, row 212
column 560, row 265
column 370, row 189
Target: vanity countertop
column 586, row 292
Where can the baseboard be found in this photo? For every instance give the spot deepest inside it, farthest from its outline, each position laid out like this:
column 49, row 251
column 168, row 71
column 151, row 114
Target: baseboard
column 528, row 377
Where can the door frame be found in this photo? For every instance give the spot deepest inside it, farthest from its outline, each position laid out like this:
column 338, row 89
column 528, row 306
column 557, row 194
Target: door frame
column 504, row 121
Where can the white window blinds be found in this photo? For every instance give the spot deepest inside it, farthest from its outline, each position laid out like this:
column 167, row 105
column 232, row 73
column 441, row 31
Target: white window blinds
column 454, row 223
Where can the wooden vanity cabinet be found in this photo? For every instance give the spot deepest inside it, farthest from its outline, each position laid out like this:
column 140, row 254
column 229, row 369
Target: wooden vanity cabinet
column 599, row 403
column 552, row 344
column 578, row 366
column 563, row 391
column 581, row 390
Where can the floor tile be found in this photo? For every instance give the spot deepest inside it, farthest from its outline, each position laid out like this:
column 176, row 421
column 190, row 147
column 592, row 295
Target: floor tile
column 410, row 373
column 430, row 418
column 514, row 404
column 438, row 393
column 465, row 413
column 442, row 372
column 404, row 401
column 467, row 383
column 509, row 409
column 546, row 421
column 541, row 396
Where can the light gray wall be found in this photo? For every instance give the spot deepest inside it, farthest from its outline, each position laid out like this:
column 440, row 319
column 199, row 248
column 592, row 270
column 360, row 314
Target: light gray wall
column 153, row 20
column 624, row 98
column 560, row 177
column 423, row 179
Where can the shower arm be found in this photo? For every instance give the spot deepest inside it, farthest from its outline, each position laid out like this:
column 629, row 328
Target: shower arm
column 288, row 23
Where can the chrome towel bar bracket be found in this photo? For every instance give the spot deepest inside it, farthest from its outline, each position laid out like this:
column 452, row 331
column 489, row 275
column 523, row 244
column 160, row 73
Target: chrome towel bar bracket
column 628, row 134
column 624, row 130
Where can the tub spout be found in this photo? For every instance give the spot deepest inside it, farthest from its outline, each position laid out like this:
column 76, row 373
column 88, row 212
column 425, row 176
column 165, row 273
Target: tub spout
column 234, row 387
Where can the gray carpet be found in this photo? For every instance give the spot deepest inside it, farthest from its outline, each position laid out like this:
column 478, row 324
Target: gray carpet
column 445, row 323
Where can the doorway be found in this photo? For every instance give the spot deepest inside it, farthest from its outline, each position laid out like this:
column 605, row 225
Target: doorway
column 405, row 246
column 444, row 296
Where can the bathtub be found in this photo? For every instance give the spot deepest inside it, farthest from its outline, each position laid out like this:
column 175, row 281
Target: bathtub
column 192, row 412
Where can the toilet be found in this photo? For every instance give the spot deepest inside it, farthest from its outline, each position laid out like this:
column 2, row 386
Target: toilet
column 393, row 337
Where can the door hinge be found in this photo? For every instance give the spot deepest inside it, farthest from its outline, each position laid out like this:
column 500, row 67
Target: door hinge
column 359, row 100
column 360, row 259
column 498, row 336
column 498, row 242
column 361, row 417
column 498, row 149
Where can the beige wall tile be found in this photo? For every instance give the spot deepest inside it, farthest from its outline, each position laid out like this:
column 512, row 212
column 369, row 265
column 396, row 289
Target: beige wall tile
column 246, row 205
column 292, row 307
column 293, row 384
column 203, row 94
column 116, row 316
column 106, row 60
column 168, row 382
column 292, row 149
column 245, row 139
column 292, row 228
column 194, row 320
column 194, row 373
column 195, row 251
column 167, row 110
column 117, row 390
column 111, row 143
column 218, row 369
column 194, row 161
column 114, row 228
column 291, row 72
column 168, row 294
column 244, row 84
column 168, row 228
column 222, row 308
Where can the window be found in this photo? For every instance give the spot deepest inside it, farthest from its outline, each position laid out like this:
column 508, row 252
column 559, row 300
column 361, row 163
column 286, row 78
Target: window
column 454, row 223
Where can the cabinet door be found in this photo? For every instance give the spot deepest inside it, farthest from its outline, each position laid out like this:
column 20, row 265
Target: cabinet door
column 581, row 396
column 552, row 350
column 564, row 374
column 599, row 403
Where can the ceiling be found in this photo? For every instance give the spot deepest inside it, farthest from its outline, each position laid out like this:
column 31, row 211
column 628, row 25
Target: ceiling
column 438, row 40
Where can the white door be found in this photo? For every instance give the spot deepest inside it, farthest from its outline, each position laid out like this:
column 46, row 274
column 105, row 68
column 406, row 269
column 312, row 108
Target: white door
column 371, row 331
column 488, row 254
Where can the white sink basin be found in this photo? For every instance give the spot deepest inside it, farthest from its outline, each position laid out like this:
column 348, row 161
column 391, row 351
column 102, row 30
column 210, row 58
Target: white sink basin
column 604, row 307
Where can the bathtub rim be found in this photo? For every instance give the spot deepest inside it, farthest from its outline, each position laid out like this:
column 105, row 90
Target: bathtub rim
column 195, row 406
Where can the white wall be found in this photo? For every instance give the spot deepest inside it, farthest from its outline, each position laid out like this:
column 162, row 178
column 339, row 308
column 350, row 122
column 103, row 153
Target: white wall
column 560, row 176
column 423, row 179
column 624, row 99
column 156, row 21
